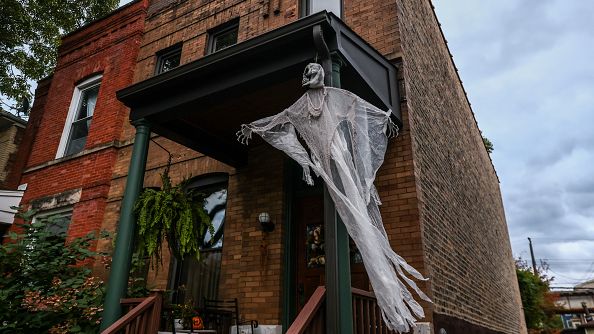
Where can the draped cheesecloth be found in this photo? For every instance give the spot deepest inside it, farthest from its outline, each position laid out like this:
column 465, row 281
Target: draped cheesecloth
column 346, row 140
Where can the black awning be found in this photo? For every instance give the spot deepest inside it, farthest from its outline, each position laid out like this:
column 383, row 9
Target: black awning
column 203, row 103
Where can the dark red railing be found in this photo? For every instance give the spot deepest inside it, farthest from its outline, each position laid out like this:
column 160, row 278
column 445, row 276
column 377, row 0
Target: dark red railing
column 312, row 318
column 142, row 316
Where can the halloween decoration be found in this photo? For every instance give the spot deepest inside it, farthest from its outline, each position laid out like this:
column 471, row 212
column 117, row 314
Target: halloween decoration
column 346, row 139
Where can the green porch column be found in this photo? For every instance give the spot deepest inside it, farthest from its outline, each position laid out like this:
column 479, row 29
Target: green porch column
column 122, row 255
column 339, row 309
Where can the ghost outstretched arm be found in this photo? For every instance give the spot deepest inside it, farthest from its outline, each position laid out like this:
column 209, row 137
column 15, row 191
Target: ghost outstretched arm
column 280, row 133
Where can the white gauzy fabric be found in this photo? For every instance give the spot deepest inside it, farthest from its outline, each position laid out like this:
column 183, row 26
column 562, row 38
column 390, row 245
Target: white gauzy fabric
column 346, row 138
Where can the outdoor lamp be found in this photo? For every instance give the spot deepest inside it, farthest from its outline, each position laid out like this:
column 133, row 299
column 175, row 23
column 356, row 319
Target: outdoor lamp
column 265, row 223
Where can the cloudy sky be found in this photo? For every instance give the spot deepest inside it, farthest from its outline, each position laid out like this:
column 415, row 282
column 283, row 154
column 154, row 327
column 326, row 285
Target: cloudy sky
column 528, row 68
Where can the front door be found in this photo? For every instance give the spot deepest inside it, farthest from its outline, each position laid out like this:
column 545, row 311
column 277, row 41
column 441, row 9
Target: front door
column 309, row 232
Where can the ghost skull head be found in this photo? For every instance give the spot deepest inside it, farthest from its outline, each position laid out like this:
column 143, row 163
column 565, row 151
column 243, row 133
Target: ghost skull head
column 313, row 76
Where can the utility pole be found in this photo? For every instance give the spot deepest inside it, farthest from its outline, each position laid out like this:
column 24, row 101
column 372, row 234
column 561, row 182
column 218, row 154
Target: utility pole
column 533, row 259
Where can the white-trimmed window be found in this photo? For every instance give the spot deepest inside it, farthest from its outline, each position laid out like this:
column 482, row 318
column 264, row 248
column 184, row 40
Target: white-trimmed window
column 80, row 115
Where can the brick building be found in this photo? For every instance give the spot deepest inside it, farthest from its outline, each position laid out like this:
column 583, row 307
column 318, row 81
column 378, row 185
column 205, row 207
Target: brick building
column 70, row 146
column 12, row 130
column 193, row 71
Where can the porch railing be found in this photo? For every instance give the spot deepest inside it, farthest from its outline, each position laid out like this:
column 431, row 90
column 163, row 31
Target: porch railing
column 312, row 318
column 367, row 318
column 142, row 316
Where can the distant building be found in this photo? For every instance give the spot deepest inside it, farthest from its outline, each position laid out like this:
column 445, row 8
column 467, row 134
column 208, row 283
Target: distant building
column 12, row 130
column 577, row 306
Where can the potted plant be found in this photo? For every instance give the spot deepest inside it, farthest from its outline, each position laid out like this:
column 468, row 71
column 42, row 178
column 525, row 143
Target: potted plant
column 174, row 214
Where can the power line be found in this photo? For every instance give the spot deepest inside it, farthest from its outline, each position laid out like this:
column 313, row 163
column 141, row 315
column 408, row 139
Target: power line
column 565, row 260
column 561, row 239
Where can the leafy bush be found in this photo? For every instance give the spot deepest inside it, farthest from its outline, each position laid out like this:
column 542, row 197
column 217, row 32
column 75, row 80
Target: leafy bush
column 537, row 300
column 44, row 285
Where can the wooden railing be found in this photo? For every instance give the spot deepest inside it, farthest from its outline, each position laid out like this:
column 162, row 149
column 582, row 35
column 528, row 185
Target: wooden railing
column 142, row 316
column 367, row 318
column 312, row 318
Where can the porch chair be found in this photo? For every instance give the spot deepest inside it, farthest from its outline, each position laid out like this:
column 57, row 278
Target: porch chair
column 221, row 314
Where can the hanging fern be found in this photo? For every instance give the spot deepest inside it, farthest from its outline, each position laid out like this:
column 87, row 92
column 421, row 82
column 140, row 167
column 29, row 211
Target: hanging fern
column 173, row 214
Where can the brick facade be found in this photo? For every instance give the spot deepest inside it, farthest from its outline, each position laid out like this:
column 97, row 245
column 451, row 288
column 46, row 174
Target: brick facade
column 109, row 47
column 465, row 239
column 441, row 203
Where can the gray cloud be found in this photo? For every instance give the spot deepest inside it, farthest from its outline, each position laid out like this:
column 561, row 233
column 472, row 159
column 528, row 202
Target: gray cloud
column 528, row 71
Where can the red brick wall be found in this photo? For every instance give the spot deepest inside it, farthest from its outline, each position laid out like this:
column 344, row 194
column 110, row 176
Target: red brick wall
column 466, row 244
column 110, row 47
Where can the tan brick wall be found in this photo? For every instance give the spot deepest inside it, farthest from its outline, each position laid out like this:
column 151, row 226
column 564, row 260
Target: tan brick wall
column 375, row 21
column 466, row 243
column 258, row 187
column 398, row 191
column 9, row 143
column 252, row 190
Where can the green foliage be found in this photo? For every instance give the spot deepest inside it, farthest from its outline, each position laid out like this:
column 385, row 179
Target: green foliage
column 537, row 300
column 137, row 285
column 44, row 286
column 30, row 33
column 488, row 145
column 174, row 214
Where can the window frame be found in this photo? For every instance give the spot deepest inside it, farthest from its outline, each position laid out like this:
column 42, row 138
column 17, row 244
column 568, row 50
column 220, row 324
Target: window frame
column 73, row 111
column 175, row 49
column 221, row 30
column 305, row 7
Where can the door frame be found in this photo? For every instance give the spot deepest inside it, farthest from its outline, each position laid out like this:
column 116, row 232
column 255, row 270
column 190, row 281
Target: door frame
column 292, row 175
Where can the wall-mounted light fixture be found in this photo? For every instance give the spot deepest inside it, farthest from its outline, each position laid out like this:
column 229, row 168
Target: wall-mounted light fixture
column 265, row 222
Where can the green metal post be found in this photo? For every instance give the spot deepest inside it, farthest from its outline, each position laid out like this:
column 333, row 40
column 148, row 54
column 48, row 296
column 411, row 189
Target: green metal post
column 339, row 311
column 122, row 255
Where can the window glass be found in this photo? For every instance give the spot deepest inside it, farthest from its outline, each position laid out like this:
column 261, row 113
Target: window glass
column 215, row 204
column 313, row 6
column 333, row 6
column 79, row 129
column 225, row 40
column 194, row 280
column 168, row 59
column 223, row 37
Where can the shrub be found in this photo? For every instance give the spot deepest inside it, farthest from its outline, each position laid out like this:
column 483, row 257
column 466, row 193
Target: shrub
column 44, row 285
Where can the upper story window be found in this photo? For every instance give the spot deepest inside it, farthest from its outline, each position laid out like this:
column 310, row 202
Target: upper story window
column 309, row 7
column 80, row 115
column 223, row 36
column 168, row 59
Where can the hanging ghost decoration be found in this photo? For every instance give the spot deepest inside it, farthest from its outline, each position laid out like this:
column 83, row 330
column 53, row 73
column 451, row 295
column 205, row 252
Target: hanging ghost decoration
column 347, row 139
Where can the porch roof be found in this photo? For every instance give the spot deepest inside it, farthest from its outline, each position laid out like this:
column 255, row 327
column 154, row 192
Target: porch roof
column 203, row 103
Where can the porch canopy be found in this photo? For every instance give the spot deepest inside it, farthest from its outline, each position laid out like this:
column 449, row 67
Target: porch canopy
column 202, row 104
